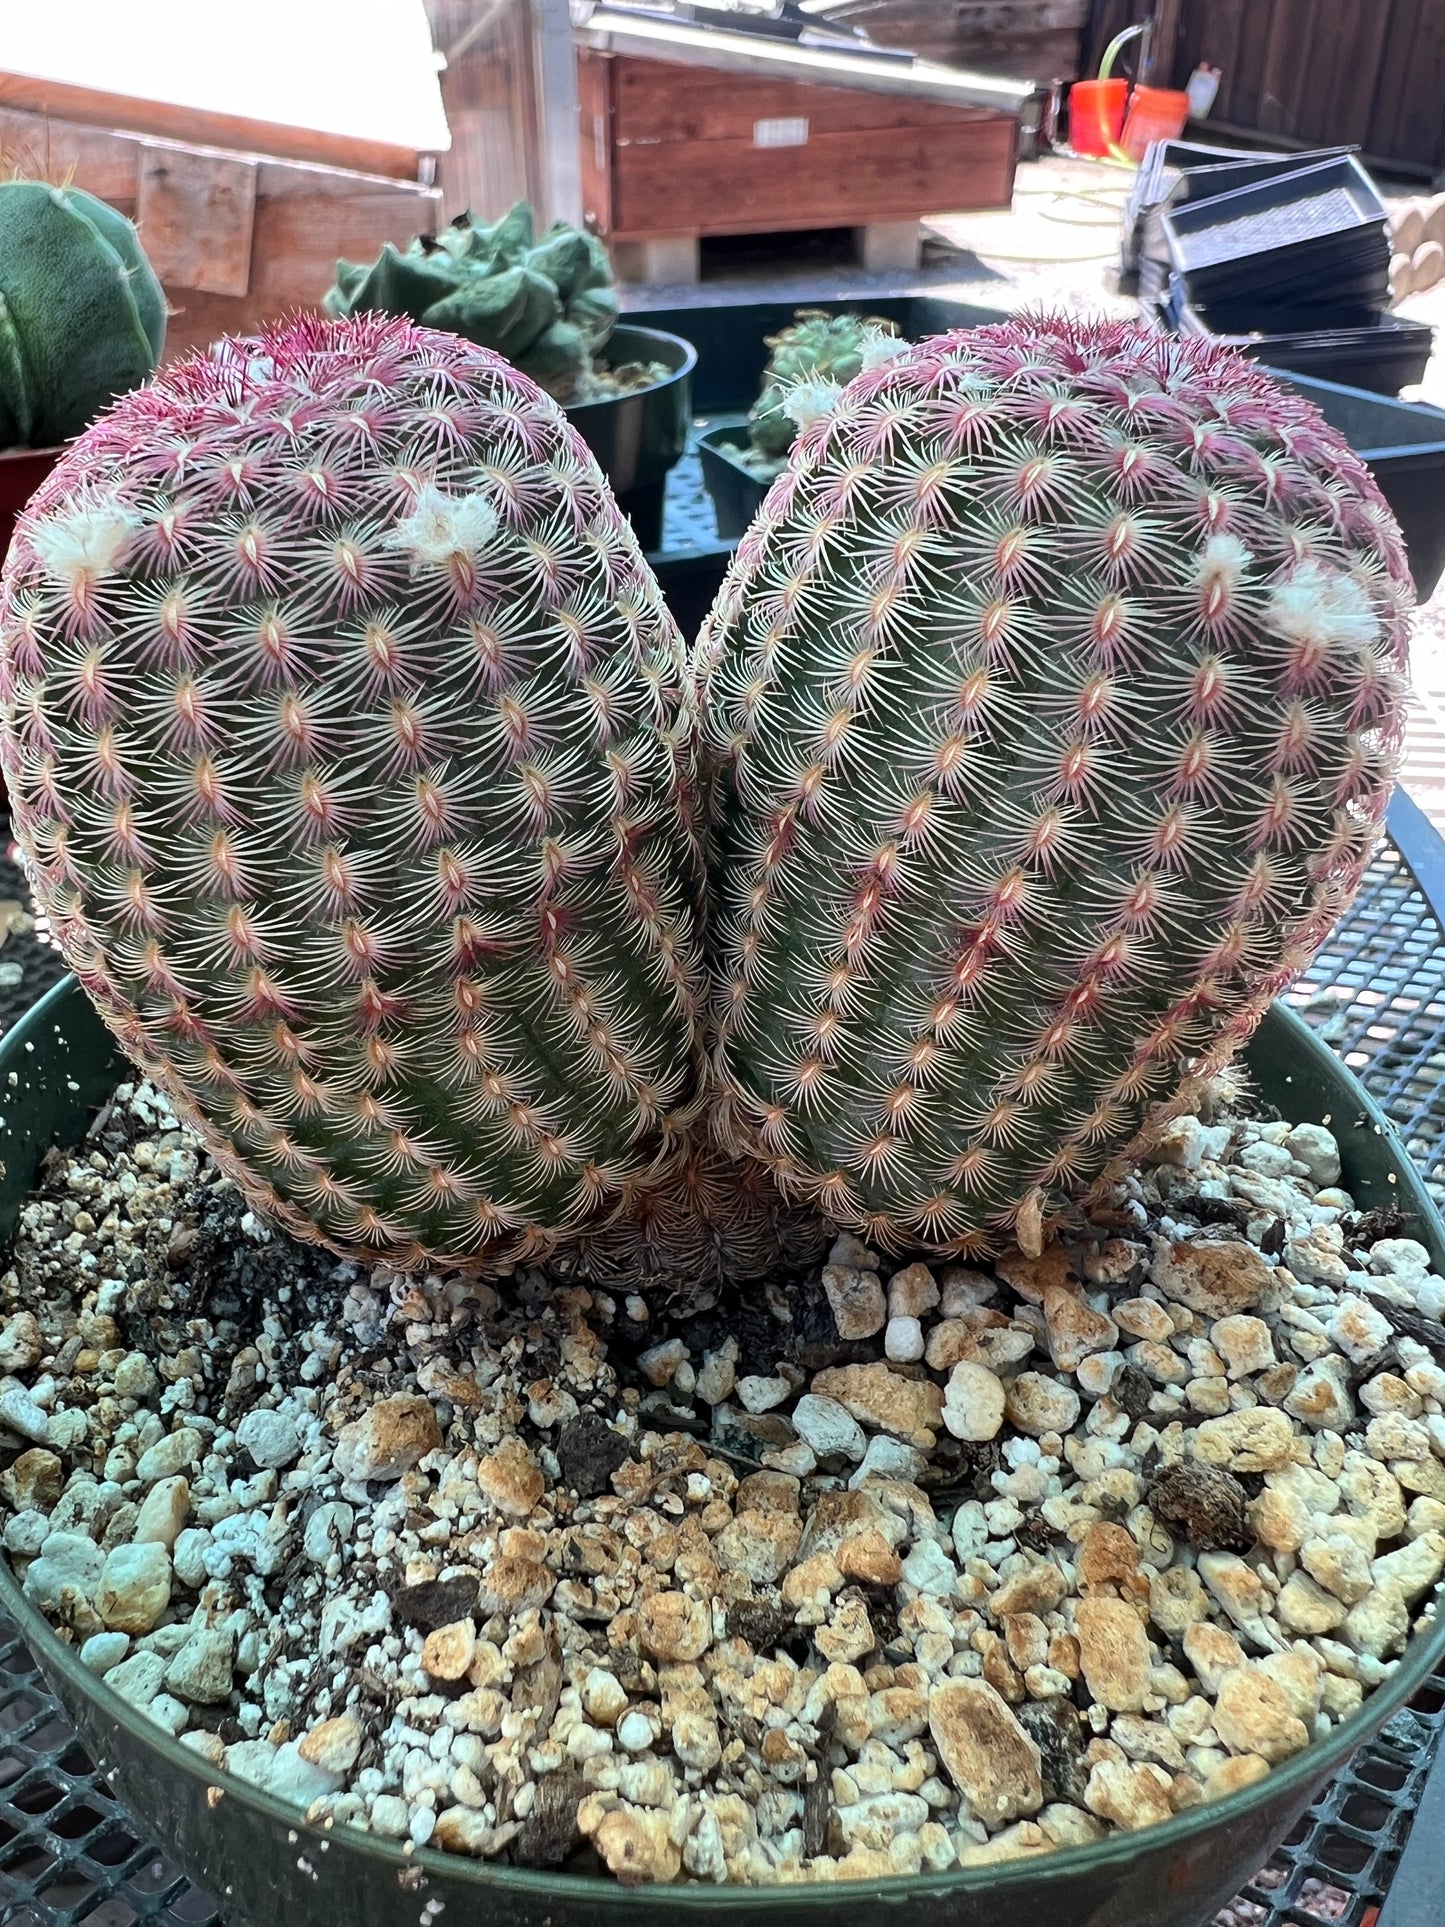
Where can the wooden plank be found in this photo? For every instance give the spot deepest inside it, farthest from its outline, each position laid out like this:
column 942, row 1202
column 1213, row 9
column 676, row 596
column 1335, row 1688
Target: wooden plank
column 1354, row 56
column 1110, row 17
column 105, row 164
column 304, row 216
column 700, row 47
column 1164, row 43
column 1320, row 86
column 1231, row 35
column 298, row 237
column 489, row 89
column 658, row 100
column 89, row 107
column 1041, row 39
column 836, row 180
column 196, row 211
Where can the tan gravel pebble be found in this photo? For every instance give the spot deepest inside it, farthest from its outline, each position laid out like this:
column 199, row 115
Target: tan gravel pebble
column 387, row 1440
column 859, row 1306
column 984, row 1751
column 1211, row 1276
column 1252, row 1714
column 449, row 1650
column 909, row 1408
column 973, row 1402
column 673, row 1627
column 1114, row 1653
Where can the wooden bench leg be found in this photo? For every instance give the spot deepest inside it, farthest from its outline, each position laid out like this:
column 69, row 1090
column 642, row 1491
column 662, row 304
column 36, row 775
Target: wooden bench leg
column 886, row 246
column 669, row 260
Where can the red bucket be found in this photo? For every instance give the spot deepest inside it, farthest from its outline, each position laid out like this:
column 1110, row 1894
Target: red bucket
column 1155, row 114
column 1096, row 114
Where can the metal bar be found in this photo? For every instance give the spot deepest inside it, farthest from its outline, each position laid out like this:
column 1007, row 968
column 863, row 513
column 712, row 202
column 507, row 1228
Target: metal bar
column 607, row 32
column 1423, row 850
column 1416, row 1896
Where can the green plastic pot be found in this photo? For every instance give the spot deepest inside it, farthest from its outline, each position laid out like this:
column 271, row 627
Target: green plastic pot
column 262, row 1863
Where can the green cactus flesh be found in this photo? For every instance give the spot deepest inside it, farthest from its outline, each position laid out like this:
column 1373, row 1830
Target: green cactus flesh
column 346, row 736
column 1054, row 700
column 82, row 316
column 829, row 347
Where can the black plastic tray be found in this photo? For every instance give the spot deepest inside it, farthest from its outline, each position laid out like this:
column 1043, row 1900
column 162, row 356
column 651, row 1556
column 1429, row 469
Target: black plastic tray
column 1334, row 201
column 1403, row 444
column 1183, row 171
column 1357, row 348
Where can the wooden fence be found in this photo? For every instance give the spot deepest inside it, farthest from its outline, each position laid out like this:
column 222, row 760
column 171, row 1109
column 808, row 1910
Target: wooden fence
column 1311, row 72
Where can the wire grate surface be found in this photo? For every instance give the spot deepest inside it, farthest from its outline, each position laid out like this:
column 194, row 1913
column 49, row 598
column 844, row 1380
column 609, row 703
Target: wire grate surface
column 70, row 1854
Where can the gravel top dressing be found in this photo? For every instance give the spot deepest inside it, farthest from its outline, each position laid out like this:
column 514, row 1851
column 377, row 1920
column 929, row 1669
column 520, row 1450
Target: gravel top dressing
column 867, row 1571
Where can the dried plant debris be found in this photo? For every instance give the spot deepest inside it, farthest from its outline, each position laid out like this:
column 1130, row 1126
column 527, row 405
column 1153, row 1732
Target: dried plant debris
column 862, row 1574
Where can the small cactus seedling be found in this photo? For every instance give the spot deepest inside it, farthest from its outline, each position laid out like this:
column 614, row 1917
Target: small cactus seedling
column 346, row 731
column 547, row 305
column 82, row 316
column 812, row 359
column 1054, row 699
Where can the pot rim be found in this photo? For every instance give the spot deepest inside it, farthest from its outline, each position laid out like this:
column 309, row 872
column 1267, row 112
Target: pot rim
column 674, row 375
column 1424, row 1656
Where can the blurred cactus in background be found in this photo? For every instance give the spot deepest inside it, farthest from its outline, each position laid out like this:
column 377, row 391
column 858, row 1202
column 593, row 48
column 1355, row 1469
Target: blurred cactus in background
column 548, row 305
column 815, row 348
column 82, row 315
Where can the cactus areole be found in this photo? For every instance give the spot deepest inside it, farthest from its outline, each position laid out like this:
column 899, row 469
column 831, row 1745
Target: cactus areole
column 346, row 732
column 1055, row 699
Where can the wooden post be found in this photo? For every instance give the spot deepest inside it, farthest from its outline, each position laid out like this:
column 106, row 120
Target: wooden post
column 1164, row 43
column 509, row 86
column 555, row 68
column 889, row 247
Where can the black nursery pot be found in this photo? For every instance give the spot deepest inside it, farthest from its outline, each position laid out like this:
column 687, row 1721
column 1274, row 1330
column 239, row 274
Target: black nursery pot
column 737, row 494
column 638, row 438
column 262, row 1863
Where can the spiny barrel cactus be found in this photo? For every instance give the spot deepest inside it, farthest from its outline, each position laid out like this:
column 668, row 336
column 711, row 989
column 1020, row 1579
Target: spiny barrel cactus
column 1054, row 698
column 815, row 347
column 82, row 316
column 346, row 732
column 547, row 305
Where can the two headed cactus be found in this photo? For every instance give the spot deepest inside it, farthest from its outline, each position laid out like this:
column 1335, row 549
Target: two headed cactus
column 1050, row 709
column 82, row 316
column 547, row 305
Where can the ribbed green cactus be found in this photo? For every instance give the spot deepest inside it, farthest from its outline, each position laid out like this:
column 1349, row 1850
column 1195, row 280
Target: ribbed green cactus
column 82, row 316
column 816, row 346
column 347, row 740
column 547, row 305
column 1054, row 697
